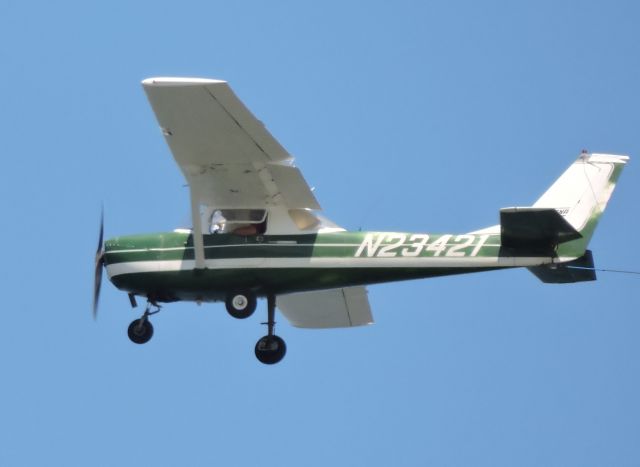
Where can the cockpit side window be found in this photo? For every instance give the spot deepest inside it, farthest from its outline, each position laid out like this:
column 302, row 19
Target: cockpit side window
column 244, row 222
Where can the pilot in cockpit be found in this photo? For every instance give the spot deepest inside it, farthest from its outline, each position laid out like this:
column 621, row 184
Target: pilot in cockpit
column 217, row 221
column 243, row 222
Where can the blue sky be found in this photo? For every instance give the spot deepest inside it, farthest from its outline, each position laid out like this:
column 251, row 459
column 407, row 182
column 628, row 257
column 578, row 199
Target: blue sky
column 416, row 116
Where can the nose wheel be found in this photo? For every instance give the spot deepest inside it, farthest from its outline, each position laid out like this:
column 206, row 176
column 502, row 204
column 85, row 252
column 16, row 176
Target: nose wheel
column 140, row 330
column 270, row 349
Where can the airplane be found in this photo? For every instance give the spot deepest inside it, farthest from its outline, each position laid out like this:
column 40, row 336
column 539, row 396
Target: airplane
column 258, row 231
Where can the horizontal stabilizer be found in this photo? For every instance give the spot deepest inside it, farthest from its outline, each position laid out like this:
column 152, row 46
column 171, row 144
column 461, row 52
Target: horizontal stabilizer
column 534, row 228
column 578, row 270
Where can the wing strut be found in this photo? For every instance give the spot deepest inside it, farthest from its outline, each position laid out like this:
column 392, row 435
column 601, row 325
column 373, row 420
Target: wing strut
column 198, row 245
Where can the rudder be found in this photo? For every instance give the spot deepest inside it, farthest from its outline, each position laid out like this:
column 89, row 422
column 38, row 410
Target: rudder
column 581, row 194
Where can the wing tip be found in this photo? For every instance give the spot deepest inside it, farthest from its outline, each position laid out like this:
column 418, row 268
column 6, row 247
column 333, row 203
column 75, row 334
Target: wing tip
column 179, row 81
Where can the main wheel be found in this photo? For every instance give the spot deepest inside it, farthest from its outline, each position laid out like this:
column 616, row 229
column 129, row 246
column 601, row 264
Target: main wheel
column 270, row 349
column 241, row 305
column 140, row 333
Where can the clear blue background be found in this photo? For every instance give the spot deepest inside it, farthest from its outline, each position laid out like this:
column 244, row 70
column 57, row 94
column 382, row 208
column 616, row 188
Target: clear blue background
column 417, row 116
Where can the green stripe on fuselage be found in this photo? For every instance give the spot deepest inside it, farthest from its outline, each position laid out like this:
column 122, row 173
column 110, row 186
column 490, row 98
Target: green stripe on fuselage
column 213, row 282
column 176, row 246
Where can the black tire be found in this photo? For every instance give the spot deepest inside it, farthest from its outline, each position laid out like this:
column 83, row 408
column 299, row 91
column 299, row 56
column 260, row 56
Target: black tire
column 270, row 349
column 241, row 305
column 140, row 334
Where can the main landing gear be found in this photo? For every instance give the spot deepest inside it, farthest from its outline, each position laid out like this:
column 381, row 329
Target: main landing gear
column 141, row 330
column 270, row 349
column 241, row 304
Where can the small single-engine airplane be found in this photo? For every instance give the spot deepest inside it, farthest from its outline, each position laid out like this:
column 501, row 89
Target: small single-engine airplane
column 257, row 231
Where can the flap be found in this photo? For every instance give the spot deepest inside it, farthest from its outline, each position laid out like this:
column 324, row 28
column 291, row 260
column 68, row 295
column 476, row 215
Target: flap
column 334, row 308
column 534, row 228
column 243, row 186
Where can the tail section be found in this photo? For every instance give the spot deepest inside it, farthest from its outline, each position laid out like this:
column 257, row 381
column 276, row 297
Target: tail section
column 561, row 223
column 581, row 194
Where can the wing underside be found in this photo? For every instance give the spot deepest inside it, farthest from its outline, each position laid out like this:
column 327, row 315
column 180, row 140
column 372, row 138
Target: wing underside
column 228, row 157
column 334, row 308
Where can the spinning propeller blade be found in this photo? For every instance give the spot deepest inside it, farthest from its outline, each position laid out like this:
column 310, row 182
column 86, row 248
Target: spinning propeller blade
column 99, row 264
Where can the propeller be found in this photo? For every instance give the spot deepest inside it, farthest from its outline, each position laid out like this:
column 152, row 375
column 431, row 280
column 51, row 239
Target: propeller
column 99, row 264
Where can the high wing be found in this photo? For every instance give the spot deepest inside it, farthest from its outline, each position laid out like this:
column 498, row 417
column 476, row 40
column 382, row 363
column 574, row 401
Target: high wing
column 228, row 157
column 334, row 308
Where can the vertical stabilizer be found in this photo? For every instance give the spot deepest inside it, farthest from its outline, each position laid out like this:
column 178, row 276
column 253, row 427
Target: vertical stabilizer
column 581, row 194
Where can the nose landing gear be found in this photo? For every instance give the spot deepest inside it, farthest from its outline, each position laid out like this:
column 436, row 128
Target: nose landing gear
column 140, row 331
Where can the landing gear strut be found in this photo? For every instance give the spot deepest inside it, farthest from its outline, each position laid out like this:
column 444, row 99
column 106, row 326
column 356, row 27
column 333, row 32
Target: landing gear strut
column 141, row 330
column 270, row 349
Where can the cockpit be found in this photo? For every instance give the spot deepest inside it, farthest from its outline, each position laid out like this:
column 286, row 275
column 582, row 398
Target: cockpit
column 271, row 221
column 238, row 221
